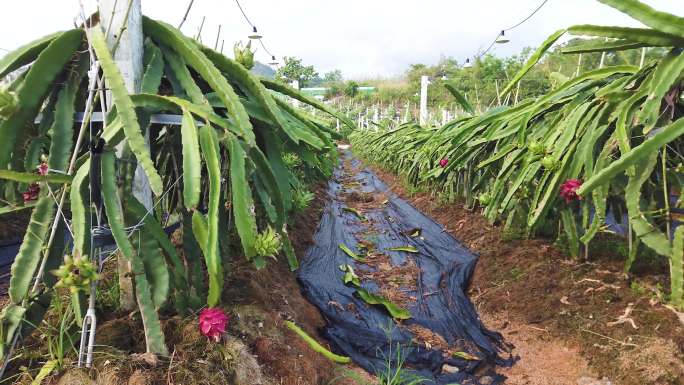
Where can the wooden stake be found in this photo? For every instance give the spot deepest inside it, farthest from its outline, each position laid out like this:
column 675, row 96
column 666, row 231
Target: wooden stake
column 199, row 32
column 185, row 17
column 218, row 36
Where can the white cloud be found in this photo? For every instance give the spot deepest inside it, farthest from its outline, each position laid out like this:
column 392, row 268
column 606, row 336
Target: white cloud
column 361, row 37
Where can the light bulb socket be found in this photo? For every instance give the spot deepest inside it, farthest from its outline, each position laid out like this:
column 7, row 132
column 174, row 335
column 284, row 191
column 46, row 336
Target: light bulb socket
column 255, row 34
column 502, row 38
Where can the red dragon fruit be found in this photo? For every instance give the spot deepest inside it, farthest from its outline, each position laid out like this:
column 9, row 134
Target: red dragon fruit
column 443, row 162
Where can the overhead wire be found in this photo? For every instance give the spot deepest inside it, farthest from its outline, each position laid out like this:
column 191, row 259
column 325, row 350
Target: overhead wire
column 543, row 3
column 528, row 17
column 244, row 14
column 261, row 40
column 264, row 47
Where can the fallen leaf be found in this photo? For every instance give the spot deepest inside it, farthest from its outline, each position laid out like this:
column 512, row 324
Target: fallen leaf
column 625, row 317
column 465, row 356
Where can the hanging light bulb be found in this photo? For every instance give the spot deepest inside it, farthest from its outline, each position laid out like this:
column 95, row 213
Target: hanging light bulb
column 467, row 63
column 502, row 38
column 273, row 62
column 254, row 35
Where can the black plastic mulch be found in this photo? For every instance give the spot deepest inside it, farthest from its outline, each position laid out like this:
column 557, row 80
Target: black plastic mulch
column 369, row 335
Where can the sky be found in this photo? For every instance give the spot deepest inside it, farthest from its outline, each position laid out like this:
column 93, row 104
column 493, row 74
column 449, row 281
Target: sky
column 362, row 38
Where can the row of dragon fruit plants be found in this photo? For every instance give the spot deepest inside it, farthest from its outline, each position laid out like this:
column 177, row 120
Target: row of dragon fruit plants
column 602, row 148
column 237, row 168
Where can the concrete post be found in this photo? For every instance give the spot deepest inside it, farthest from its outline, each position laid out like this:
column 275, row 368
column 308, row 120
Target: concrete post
column 498, row 95
column 295, row 85
column 643, row 57
column 129, row 59
column 424, row 81
column 579, row 65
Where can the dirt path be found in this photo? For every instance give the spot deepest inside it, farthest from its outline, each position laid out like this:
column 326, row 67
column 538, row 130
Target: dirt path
column 370, row 243
column 543, row 360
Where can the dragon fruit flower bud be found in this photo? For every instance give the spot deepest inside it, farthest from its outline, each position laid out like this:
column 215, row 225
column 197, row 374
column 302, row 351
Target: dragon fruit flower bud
column 568, row 190
column 43, row 169
column 32, row 193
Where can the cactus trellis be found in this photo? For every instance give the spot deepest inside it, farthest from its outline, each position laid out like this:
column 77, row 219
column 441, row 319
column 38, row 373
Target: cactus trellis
column 216, row 104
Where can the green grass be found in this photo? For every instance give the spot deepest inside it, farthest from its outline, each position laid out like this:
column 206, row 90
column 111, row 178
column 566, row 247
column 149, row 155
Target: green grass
column 393, row 371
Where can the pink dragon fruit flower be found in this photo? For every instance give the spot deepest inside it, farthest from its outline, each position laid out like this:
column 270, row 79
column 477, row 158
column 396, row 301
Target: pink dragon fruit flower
column 568, row 190
column 213, row 322
column 443, row 162
column 32, row 193
column 43, row 169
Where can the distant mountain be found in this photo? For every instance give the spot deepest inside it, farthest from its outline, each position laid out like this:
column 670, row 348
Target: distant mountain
column 264, row 70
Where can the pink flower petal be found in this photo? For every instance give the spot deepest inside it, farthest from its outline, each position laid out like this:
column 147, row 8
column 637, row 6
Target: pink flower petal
column 213, row 322
column 43, row 169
